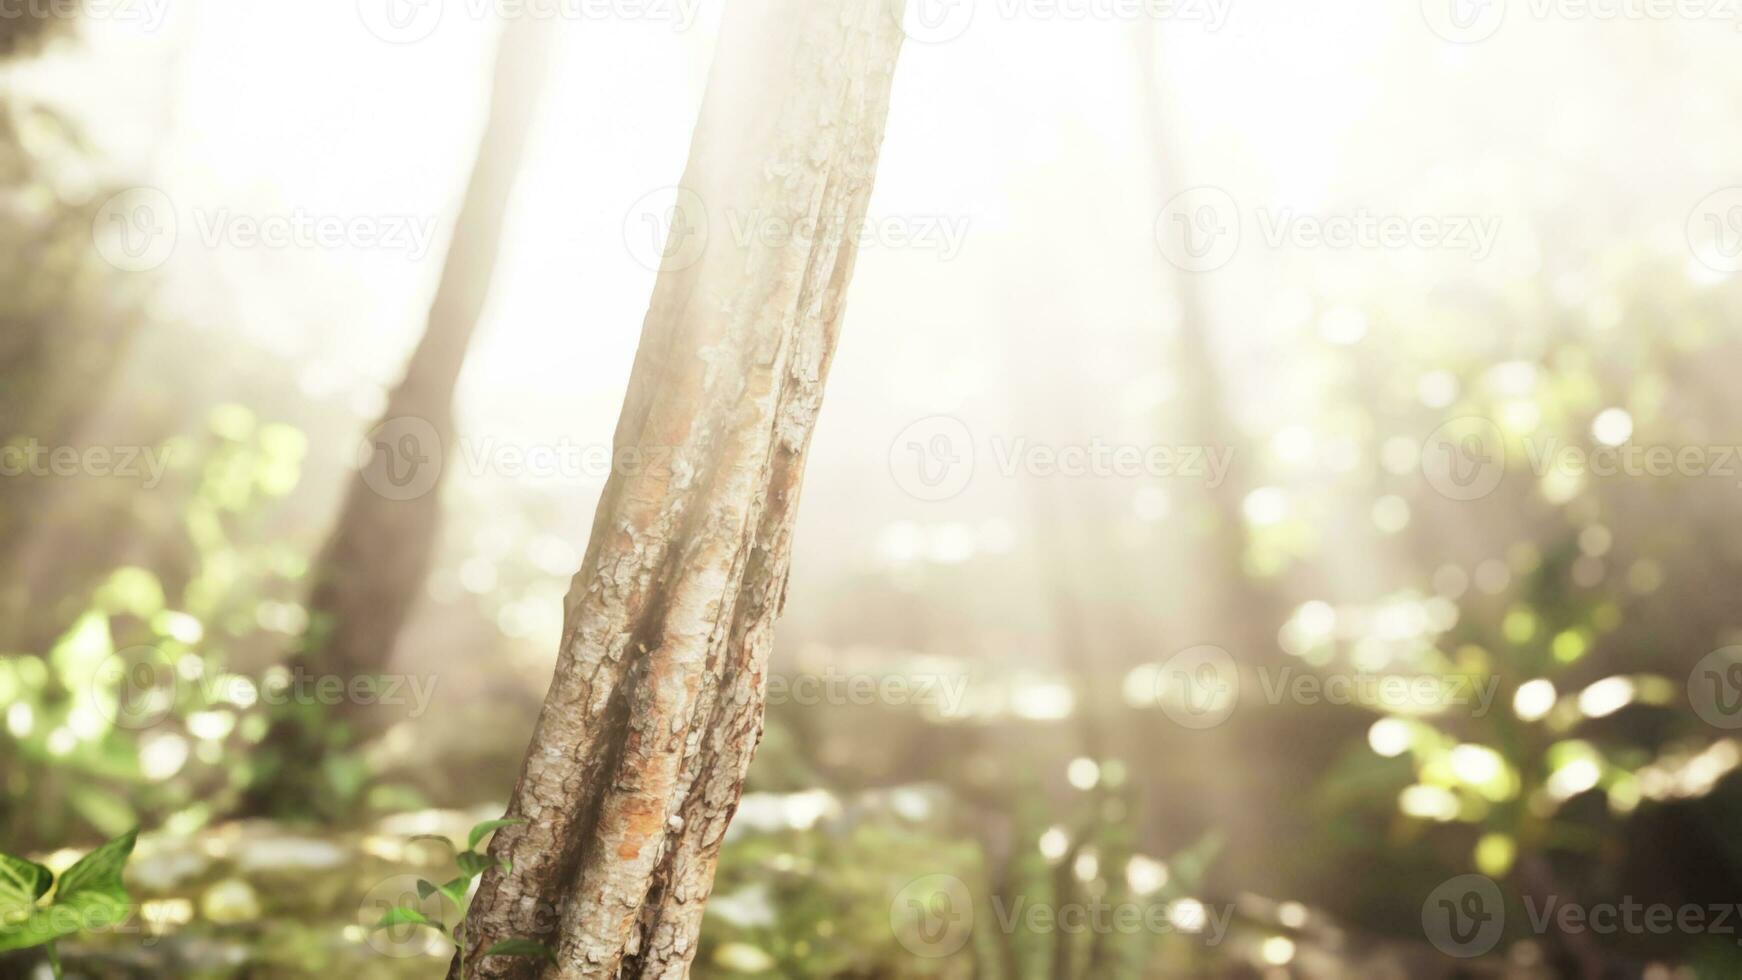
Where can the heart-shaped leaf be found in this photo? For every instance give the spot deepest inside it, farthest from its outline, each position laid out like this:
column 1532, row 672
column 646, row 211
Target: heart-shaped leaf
column 90, row 896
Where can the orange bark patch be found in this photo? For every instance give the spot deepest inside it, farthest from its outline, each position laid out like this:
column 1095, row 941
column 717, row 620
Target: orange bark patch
column 644, row 818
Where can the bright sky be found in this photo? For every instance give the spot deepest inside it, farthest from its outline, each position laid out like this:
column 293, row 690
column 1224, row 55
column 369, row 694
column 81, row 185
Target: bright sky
column 1023, row 131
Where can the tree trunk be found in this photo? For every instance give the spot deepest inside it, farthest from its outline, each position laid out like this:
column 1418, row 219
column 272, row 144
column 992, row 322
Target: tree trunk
column 638, row 758
column 1238, row 613
column 375, row 561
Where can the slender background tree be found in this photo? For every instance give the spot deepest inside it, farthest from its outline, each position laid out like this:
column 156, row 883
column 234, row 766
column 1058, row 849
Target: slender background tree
column 373, row 566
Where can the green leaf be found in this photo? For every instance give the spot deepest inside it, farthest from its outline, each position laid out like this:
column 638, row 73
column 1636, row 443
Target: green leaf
column 404, row 915
column 93, row 887
column 487, row 828
column 21, row 884
column 521, row 947
column 472, row 864
column 454, row 891
column 90, row 897
column 99, row 872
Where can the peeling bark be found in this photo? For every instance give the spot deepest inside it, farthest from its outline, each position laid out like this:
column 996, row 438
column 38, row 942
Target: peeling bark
column 639, row 755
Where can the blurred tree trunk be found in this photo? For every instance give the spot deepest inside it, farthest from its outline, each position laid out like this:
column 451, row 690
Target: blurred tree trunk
column 1239, row 601
column 638, row 759
column 373, row 566
column 1240, row 613
column 65, row 323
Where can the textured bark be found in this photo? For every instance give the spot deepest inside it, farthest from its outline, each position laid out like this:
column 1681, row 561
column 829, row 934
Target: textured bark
column 639, row 755
column 377, row 556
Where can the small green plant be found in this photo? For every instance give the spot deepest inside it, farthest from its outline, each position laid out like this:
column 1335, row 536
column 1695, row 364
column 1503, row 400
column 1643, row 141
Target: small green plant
column 472, row 863
column 89, row 897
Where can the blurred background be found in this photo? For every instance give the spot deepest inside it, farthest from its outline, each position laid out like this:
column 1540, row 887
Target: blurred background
column 1279, row 463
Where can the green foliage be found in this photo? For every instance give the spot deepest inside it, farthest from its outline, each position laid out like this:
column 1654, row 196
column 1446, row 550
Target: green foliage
column 816, row 901
column 138, row 712
column 90, row 897
column 471, row 863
